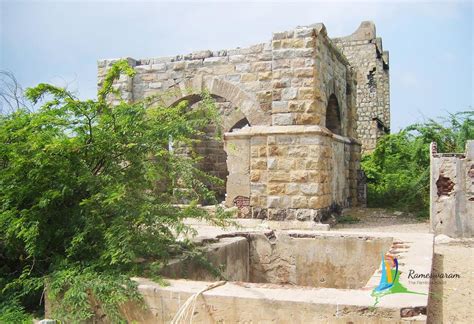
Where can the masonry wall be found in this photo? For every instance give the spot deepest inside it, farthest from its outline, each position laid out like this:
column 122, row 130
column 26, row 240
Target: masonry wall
column 293, row 172
column 290, row 79
column 307, row 70
column 452, row 192
column 183, row 76
column 363, row 49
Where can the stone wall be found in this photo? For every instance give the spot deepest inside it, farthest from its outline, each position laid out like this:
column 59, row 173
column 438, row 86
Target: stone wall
column 363, row 49
column 241, row 77
column 304, row 261
column 293, row 172
column 299, row 157
column 452, row 192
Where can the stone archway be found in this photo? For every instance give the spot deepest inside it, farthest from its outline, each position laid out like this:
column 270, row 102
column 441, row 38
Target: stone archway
column 248, row 106
column 236, row 108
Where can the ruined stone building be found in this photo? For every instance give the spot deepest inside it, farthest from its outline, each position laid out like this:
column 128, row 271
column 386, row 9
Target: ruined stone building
column 296, row 111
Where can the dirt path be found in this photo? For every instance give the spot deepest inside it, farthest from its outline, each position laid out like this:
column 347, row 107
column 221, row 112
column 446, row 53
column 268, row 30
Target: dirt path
column 452, row 300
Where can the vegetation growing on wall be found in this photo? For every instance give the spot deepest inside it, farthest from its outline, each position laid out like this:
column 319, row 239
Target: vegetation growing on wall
column 398, row 169
column 87, row 197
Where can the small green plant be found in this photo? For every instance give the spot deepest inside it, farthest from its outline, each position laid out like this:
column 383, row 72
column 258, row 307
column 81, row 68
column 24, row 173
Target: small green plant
column 348, row 219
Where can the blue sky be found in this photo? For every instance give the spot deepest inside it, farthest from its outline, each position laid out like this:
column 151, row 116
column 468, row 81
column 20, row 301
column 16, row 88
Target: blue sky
column 430, row 42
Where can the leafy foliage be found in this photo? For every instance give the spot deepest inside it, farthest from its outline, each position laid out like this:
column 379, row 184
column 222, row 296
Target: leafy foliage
column 13, row 312
column 88, row 190
column 398, row 169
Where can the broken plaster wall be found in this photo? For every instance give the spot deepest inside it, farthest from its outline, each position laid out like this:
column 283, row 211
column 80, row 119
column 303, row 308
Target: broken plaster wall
column 452, row 192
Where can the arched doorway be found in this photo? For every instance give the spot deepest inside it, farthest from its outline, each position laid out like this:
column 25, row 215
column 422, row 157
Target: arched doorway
column 209, row 145
column 237, row 109
column 333, row 116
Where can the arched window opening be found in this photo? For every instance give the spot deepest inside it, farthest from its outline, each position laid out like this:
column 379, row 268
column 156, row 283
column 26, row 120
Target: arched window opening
column 333, row 116
column 240, row 124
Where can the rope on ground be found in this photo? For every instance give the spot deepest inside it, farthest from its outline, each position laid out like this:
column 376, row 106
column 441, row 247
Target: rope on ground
column 186, row 312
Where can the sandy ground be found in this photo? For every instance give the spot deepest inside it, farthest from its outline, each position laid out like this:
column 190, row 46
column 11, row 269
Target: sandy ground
column 452, row 300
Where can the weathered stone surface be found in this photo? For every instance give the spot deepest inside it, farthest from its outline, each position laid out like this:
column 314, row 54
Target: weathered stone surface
column 289, row 109
column 364, row 51
column 452, row 192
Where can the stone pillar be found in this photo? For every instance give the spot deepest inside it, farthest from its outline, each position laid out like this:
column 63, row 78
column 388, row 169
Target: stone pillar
column 294, row 70
column 238, row 165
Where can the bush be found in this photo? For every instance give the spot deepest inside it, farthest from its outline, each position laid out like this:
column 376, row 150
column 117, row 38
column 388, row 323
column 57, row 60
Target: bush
column 398, row 169
column 87, row 191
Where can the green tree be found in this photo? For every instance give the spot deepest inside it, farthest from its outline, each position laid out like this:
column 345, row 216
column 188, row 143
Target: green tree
column 398, row 169
column 88, row 192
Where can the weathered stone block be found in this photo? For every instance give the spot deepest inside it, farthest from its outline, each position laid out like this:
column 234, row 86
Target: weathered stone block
column 303, row 32
column 307, row 119
column 273, row 201
column 310, row 189
column 223, row 69
column 282, row 118
column 259, row 213
column 278, row 176
column 264, row 76
column 317, row 202
column 215, row 60
column 299, row 202
column 159, row 67
column 255, row 175
column 279, row 107
column 298, row 176
column 277, row 214
column 304, row 214
column 289, row 93
column 298, row 151
column 248, row 77
column 258, row 164
column 272, row 164
column 292, row 189
column 261, row 66
column 292, row 43
column 201, row 55
column 274, row 150
column 276, row 189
